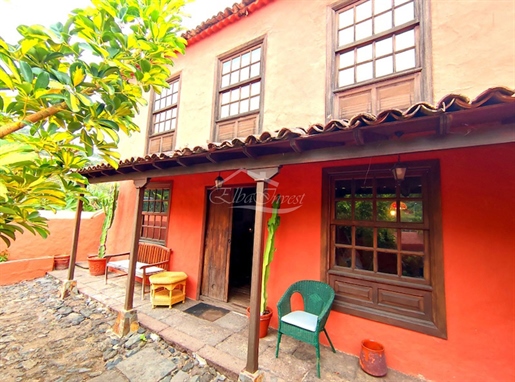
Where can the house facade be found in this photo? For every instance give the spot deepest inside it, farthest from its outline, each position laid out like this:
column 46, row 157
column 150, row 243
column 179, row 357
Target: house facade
column 334, row 95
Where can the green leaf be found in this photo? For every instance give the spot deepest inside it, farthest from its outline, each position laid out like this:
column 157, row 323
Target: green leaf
column 74, row 126
column 77, row 73
column 109, row 124
column 26, row 71
column 42, row 81
column 145, row 65
column 73, row 103
column 86, row 101
column 5, row 79
column 54, row 97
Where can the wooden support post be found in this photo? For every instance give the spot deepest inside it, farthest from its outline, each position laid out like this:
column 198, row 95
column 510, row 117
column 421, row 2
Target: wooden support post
column 262, row 176
column 255, row 287
column 75, row 241
column 131, row 278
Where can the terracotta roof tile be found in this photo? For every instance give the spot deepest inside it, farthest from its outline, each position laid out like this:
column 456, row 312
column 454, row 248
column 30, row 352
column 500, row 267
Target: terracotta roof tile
column 223, row 18
column 449, row 104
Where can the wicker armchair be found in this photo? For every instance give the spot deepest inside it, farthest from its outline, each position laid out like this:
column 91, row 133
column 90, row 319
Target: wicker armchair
column 306, row 325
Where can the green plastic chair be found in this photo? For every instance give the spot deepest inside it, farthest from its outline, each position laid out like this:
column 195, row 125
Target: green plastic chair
column 306, row 325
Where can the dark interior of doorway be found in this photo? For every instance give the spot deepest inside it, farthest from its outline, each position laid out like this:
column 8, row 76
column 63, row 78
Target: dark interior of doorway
column 242, row 244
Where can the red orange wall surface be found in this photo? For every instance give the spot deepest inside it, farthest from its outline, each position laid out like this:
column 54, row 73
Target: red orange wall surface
column 477, row 188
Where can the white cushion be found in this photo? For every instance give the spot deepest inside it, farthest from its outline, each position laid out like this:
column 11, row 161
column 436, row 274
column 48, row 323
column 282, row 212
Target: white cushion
column 148, row 271
column 301, row 319
column 123, row 265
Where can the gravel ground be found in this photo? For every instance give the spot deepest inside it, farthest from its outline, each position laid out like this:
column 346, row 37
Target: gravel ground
column 44, row 338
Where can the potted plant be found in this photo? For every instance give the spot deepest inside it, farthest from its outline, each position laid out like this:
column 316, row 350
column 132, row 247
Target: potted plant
column 97, row 263
column 61, row 262
column 268, row 256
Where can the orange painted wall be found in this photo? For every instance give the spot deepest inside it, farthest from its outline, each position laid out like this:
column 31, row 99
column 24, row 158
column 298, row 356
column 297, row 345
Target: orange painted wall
column 478, row 223
column 29, row 246
column 14, row 271
column 477, row 190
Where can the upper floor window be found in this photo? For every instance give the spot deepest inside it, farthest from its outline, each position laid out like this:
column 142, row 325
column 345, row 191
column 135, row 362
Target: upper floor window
column 164, row 119
column 239, row 93
column 377, row 56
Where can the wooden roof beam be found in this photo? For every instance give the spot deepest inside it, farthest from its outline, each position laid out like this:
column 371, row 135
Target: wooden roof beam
column 181, row 162
column 445, row 124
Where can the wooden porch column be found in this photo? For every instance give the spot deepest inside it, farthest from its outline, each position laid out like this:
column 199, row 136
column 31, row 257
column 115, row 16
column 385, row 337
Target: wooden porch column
column 255, row 286
column 127, row 320
column 75, row 241
column 262, row 177
column 70, row 284
column 129, row 290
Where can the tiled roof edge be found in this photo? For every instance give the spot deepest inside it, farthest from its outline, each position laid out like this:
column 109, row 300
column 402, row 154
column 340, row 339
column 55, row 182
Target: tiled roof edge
column 224, row 18
column 448, row 104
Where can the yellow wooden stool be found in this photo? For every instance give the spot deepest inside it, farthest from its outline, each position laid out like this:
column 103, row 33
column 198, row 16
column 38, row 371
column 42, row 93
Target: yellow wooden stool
column 167, row 288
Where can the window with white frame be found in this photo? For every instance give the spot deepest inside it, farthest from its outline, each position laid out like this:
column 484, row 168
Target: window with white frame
column 377, row 56
column 239, row 93
column 164, row 119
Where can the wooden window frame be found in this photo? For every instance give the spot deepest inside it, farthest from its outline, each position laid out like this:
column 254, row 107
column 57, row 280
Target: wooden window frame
column 385, row 298
column 163, row 215
column 420, row 74
column 159, row 138
column 221, row 90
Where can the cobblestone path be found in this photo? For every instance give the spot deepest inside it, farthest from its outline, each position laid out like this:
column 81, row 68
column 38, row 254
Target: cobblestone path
column 44, row 338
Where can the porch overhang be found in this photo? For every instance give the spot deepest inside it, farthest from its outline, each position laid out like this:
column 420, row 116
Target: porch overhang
column 455, row 122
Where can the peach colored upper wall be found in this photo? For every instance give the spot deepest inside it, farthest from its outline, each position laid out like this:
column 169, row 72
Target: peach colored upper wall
column 294, row 59
column 135, row 145
column 473, row 46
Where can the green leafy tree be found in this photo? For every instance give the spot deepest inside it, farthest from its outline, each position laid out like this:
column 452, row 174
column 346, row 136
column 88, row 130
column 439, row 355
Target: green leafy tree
column 68, row 91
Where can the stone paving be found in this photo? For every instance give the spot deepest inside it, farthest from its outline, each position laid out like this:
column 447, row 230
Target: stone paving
column 44, row 338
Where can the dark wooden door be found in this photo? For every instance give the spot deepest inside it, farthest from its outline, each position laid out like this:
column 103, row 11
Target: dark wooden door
column 217, row 247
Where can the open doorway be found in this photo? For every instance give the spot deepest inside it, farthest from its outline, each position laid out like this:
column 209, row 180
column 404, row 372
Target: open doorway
column 242, row 245
column 228, row 247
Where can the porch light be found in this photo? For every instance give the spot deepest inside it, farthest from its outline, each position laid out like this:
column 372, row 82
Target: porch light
column 219, row 181
column 399, row 170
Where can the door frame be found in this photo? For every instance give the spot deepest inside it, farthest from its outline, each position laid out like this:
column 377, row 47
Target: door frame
column 207, row 189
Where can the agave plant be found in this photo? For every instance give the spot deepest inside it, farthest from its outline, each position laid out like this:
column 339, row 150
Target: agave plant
column 268, row 255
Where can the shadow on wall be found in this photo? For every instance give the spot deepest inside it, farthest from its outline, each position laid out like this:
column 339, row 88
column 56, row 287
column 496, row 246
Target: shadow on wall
column 61, row 226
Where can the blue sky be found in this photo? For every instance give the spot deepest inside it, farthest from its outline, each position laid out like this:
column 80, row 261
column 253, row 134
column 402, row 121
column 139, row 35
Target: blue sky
column 47, row 12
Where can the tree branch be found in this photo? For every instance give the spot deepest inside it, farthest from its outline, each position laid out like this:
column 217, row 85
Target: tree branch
column 33, row 118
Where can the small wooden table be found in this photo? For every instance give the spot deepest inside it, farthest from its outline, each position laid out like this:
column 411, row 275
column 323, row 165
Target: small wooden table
column 167, row 288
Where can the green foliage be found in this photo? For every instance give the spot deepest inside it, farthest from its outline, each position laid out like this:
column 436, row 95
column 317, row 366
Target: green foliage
column 268, row 254
column 68, row 91
column 109, row 206
column 93, row 200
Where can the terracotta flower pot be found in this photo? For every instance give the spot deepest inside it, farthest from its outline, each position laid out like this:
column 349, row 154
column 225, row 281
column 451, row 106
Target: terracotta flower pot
column 97, row 265
column 61, row 262
column 372, row 359
column 264, row 321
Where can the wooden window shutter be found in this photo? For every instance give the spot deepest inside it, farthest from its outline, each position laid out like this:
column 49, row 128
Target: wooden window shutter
column 356, row 103
column 226, row 130
column 160, row 143
column 154, row 145
column 241, row 128
column 167, row 143
column 246, row 126
column 397, row 95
